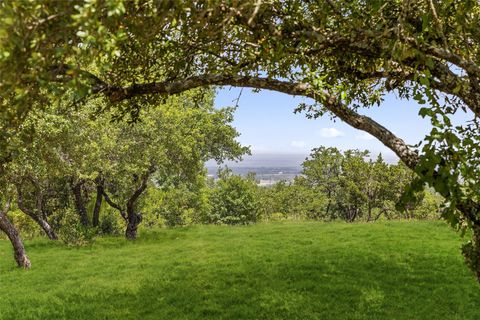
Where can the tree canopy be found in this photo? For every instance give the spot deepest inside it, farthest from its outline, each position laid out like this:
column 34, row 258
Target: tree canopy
column 343, row 55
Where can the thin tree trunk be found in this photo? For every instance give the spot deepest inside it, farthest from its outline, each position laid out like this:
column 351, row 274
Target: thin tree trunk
column 329, row 196
column 131, row 218
column 379, row 214
column 79, row 204
column 17, row 243
column 369, row 217
column 51, row 234
column 98, row 205
column 37, row 215
column 407, row 213
column 353, row 214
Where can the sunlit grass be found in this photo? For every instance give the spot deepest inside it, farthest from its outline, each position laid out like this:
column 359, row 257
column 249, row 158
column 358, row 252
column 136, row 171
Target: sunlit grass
column 307, row 270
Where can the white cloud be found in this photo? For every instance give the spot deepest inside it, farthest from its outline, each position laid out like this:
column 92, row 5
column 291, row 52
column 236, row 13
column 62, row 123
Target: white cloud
column 331, row 133
column 298, row 144
column 365, row 136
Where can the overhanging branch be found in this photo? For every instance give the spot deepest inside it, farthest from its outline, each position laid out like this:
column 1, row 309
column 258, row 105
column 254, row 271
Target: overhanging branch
column 333, row 104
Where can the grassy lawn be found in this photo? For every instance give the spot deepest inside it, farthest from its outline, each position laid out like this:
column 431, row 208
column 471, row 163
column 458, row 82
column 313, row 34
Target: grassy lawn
column 307, row 270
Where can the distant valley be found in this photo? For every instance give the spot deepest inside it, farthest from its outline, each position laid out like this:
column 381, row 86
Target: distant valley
column 268, row 168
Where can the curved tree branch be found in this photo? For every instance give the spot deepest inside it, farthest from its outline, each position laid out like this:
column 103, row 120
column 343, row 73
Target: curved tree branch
column 330, row 102
column 143, row 185
column 114, row 205
column 334, row 105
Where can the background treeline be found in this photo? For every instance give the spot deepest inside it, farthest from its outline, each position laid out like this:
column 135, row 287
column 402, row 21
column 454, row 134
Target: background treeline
column 347, row 186
column 334, row 185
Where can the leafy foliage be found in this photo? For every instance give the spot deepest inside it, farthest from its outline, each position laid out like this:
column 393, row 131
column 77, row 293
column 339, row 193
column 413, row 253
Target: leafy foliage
column 344, row 55
column 73, row 233
column 233, row 200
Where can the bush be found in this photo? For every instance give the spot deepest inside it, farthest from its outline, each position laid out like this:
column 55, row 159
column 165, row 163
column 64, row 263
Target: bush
column 233, row 200
column 72, row 232
column 292, row 201
column 429, row 207
column 177, row 205
column 26, row 226
column 109, row 224
column 176, row 208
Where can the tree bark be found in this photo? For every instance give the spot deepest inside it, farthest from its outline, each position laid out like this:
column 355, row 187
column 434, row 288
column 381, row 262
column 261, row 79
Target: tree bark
column 98, row 204
column 36, row 214
column 132, row 218
column 51, row 234
column 330, row 102
column 15, row 239
column 79, row 203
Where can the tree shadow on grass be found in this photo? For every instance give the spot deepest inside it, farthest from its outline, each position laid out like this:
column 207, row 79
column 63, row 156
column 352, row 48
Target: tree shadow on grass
column 327, row 286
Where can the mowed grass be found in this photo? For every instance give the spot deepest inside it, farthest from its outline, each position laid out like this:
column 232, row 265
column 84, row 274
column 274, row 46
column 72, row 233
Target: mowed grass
column 290, row 270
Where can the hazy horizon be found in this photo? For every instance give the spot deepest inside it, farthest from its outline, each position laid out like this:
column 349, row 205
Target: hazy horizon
column 280, row 159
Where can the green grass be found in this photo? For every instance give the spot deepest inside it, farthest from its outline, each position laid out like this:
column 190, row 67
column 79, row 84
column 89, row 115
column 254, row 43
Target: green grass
column 307, row 270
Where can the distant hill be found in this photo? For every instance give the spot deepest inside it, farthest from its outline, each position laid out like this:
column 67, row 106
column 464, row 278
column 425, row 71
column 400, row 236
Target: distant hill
column 268, row 168
column 265, row 160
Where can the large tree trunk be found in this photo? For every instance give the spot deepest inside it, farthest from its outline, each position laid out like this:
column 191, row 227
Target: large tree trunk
column 131, row 231
column 79, row 204
column 12, row 233
column 133, row 220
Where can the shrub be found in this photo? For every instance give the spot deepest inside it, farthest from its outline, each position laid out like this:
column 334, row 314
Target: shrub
column 292, row 201
column 25, row 225
column 233, row 200
column 72, row 232
column 176, row 205
column 109, row 224
column 176, row 208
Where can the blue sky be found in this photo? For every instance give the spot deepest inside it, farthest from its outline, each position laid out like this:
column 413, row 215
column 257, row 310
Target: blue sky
column 267, row 123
